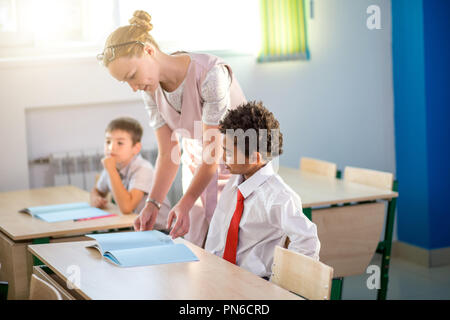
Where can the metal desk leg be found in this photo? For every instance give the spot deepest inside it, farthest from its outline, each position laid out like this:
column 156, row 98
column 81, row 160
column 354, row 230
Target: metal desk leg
column 386, row 246
column 3, row 290
column 336, row 288
column 36, row 261
column 337, row 283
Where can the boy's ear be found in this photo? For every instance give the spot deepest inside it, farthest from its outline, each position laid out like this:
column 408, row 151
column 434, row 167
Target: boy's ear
column 137, row 147
column 253, row 158
column 256, row 158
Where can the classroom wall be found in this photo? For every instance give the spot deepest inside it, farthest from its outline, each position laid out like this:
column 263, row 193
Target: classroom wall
column 338, row 106
column 52, row 84
column 421, row 69
column 437, row 54
column 410, row 112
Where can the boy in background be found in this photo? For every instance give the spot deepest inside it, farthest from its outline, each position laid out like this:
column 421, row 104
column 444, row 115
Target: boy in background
column 257, row 210
column 126, row 174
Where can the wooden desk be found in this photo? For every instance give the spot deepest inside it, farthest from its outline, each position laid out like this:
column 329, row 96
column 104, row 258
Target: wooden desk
column 350, row 233
column 210, row 278
column 17, row 230
column 316, row 190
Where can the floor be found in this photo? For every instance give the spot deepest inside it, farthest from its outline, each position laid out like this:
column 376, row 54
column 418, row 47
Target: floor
column 407, row 281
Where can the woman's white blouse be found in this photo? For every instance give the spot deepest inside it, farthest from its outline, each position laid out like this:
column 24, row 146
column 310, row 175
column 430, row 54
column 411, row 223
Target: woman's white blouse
column 215, row 92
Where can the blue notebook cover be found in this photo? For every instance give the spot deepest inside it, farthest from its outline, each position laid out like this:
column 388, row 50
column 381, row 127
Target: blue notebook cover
column 64, row 212
column 144, row 248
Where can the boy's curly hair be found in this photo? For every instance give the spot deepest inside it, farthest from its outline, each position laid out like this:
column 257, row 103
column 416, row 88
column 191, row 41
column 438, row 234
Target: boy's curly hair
column 254, row 115
column 130, row 125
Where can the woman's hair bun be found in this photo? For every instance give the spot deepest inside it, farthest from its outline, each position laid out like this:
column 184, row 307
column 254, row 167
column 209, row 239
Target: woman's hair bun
column 142, row 20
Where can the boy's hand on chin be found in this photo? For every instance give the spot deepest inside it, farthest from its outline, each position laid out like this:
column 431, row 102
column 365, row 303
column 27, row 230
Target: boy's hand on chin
column 109, row 163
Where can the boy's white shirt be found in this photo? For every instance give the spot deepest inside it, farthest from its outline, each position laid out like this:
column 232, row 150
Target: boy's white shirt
column 138, row 174
column 272, row 211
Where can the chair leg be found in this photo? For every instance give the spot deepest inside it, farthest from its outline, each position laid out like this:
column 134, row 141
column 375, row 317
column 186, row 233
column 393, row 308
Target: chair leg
column 3, row 290
column 336, row 288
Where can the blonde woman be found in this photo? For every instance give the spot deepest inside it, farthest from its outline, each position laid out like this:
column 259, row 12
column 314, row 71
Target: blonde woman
column 187, row 93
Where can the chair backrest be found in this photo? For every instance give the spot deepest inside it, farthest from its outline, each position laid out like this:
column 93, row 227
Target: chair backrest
column 378, row 179
column 42, row 290
column 321, row 167
column 301, row 274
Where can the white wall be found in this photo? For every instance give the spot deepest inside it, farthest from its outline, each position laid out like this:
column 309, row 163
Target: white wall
column 338, row 106
column 30, row 86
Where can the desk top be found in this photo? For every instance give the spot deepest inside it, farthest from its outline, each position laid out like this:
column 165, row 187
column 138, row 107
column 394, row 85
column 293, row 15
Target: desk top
column 22, row 226
column 209, row 278
column 316, row 190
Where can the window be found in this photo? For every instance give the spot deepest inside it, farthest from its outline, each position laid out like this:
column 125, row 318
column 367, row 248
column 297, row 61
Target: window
column 201, row 25
column 8, row 21
column 12, row 30
column 284, row 30
column 33, row 27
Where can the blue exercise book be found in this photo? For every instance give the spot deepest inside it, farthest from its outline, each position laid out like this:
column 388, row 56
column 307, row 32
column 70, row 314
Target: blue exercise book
column 63, row 212
column 142, row 248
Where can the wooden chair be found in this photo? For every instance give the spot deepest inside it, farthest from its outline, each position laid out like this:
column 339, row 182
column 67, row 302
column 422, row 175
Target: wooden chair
column 377, row 179
column 302, row 275
column 382, row 180
column 42, row 290
column 321, row 167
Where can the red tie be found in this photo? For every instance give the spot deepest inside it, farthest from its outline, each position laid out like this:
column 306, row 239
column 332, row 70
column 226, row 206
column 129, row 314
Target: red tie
column 233, row 230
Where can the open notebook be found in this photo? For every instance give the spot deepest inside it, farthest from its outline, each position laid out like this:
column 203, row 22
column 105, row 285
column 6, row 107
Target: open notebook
column 67, row 211
column 143, row 248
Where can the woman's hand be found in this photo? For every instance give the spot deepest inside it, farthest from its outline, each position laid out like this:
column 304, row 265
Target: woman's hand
column 165, row 172
column 147, row 217
column 212, row 148
column 181, row 213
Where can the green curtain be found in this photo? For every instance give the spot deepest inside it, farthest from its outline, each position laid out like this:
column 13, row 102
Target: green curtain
column 284, row 30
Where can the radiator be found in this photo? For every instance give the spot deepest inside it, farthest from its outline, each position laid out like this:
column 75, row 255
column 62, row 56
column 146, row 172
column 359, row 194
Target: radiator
column 81, row 169
column 75, row 168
